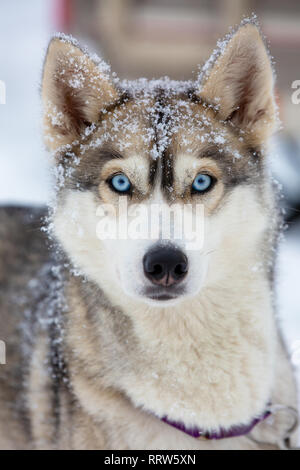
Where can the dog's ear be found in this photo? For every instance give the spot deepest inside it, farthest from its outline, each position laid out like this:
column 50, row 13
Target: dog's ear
column 75, row 89
column 240, row 84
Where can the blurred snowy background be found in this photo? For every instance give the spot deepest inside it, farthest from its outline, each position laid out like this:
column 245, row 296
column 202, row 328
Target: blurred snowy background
column 147, row 38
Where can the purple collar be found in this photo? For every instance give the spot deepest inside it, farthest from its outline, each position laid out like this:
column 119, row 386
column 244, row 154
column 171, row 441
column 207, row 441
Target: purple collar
column 234, row 431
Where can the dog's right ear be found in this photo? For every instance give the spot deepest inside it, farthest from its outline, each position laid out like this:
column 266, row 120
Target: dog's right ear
column 75, row 89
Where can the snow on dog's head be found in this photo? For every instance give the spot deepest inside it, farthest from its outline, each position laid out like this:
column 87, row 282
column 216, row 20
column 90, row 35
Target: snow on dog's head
column 161, row 143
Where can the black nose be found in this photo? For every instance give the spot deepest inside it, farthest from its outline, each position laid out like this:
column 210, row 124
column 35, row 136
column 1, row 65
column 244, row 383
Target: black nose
column 165, row 266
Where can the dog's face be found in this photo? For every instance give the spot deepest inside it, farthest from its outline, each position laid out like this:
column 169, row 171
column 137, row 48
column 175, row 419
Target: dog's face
column 128, row 154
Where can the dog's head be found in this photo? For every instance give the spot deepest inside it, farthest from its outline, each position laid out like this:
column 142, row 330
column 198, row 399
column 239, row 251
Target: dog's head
column 128, row 155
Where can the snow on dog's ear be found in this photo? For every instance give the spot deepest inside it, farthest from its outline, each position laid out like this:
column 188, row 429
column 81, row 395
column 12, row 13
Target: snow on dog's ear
column 75, row 89
column 240, row 84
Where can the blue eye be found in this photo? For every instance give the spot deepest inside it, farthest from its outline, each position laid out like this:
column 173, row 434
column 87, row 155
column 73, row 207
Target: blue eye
column 120, row 183
column 202, row 182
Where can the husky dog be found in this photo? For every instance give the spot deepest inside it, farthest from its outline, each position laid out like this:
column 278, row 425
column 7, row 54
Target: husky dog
column 147, row 342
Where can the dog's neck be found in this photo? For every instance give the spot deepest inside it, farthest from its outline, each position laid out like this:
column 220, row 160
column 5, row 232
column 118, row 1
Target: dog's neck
column 206, row 362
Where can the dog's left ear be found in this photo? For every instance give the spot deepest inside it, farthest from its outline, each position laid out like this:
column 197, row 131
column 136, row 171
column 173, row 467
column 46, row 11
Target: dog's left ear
column 75, row 89
column 240, row 85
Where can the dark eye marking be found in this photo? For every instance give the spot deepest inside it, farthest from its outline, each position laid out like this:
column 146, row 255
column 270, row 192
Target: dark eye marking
column 106, row 154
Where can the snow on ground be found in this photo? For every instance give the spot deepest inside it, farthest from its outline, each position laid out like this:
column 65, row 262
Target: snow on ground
column 24, row 33
column 288, row 292
column 288, row 283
